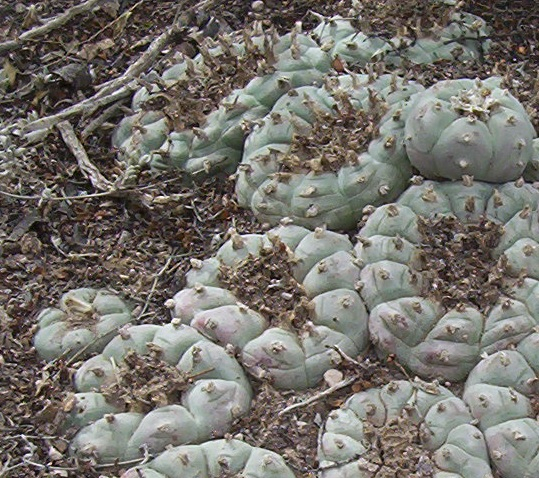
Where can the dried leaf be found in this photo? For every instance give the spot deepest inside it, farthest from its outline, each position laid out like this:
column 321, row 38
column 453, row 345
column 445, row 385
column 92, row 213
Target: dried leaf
column 11, row 72
column 91, row 50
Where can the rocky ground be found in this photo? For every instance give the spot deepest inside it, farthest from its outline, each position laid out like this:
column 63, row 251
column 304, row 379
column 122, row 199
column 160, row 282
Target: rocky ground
column 138, row 241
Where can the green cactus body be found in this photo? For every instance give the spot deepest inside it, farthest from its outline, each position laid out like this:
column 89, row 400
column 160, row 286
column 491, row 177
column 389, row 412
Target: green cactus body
column 338, row 37
column 278, row 178
column 466, row 127
column 85, row 408
column 374, row 432
column 217, row 394
column 213, row 143
column 499, row 391
column 531, row 173
column 333, row 313
column 430, row 334
column 86, row 320
column 214, row 459
column 464, row 37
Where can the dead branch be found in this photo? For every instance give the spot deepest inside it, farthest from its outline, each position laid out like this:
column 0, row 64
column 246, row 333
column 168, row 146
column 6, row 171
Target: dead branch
column 109, row 92
column 84, row 108
column 88, row 169
column 52, row 24
column 143, row 63
column 342, row 384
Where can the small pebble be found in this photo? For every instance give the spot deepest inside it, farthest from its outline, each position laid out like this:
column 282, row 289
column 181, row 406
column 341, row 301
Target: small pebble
column 257, row 6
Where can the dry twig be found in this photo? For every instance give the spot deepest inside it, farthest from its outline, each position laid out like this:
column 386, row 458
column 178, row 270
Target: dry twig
column 52, row 24
column 342, row 384
column 110, row 91
column 88, row 169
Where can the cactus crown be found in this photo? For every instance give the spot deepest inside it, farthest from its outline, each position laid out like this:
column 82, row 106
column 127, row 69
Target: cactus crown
column 475, row 103
column 336, row 138
column 457, row 262
column 265, row 283
column 145, row 382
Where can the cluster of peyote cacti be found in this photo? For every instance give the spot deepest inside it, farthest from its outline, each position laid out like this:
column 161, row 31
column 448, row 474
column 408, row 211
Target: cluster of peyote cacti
column 209, row 383
column 452, row 35
column 214, row 459
column 440, row 278
column 84, row 322
column 422, row 307
column 204, row 139
column 315, row 289
column 322, row 154
column 409, row 429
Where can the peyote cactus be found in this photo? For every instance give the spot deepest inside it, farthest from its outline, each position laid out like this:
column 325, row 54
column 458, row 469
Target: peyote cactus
column 501, row 391
column 444, row 279
column 85, row 321
column 403, row 429
column 300, row 288
column 436, row 314
column 212, row 141
column 252, row 73
column 492, row 429
column 214, row 459
column 465, row 127
column 463, row 37
column 130, row 392
column 322, row 154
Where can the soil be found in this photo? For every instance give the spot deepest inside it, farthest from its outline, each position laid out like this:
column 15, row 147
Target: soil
column 139, row 242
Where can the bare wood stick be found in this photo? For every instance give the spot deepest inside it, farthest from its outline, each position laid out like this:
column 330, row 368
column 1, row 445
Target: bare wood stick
column 342, row 384
column 52, row 24
column 111, row 91
column 85, row 107
column 126, row 13
column 89, row 169
column 101, row 119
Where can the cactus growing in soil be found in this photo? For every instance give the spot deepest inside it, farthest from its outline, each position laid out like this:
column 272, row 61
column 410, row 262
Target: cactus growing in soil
column 140, row 412
column 500, row 392
column 214, row 459
column 465, row 127
column 84, row 322
column 206, row 139
column 322, row 154
column 205, row 135
column 403, row 429
column 491, row 429
column 425, row 308
column 464, row 37
column 309, row 279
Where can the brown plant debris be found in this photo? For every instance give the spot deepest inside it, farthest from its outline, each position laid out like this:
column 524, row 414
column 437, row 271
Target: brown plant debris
column 458, row 264
column 266, row 284
column 389, row 18
column 336, row 138
column 145, row 382
column 191, row 98
column 395, row 451
column 293, row 436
